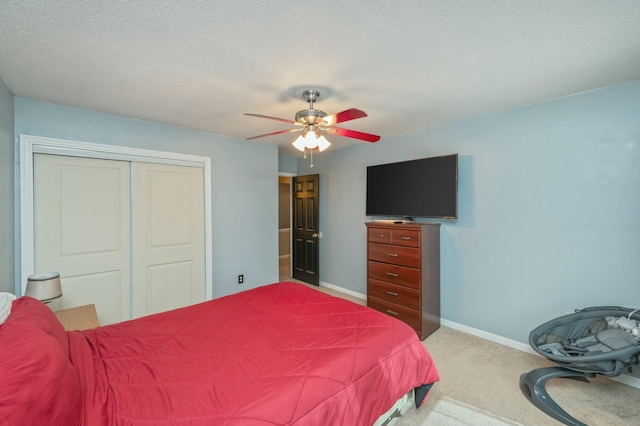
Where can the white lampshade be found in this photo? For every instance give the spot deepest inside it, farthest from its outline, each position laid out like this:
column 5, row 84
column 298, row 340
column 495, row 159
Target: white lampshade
column 311, row 140
column 323, row 143
column 44, row 287
column 299, row 143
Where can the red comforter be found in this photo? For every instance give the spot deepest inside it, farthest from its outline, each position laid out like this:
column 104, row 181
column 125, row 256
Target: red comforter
column 279, row 354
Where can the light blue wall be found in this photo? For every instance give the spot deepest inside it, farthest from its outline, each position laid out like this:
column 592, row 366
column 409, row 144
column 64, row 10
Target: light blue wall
column 549, row 210
column 244, row 182
column 6, row 188
column 287, row 165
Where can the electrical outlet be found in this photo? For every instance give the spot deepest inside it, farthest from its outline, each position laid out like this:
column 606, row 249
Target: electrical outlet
column 240, row 278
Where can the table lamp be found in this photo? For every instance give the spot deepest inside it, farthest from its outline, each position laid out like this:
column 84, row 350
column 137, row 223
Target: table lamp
column 44, row 287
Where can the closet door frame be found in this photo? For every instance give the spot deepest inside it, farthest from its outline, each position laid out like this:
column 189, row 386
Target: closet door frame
column 30, row 145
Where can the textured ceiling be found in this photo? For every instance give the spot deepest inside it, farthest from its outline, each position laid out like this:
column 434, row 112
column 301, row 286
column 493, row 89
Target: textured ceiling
column 410, row 65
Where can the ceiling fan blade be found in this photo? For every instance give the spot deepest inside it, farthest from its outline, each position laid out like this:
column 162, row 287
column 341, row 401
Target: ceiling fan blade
column 284, row 120
column 346, row 115
column 353, row 134
column 274, row 133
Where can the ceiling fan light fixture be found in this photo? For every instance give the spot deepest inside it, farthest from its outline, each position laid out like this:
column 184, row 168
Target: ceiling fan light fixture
column 323, row 143
column 311, row 140
column 299, row 143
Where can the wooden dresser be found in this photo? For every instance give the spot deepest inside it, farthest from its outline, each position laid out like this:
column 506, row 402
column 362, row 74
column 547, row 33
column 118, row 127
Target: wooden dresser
column 403, row 273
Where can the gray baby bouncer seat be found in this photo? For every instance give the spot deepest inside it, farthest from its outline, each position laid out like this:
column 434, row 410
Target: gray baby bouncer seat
column 601, row 340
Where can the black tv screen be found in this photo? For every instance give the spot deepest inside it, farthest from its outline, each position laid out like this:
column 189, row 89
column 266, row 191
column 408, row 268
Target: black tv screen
column 427, row 187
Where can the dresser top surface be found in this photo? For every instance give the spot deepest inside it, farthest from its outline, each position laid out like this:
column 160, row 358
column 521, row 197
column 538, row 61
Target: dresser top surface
column 403, row 225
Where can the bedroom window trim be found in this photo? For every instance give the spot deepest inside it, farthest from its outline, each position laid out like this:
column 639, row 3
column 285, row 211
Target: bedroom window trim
column 30, row 145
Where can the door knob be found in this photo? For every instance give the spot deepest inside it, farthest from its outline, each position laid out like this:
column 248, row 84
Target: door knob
column 314, row 235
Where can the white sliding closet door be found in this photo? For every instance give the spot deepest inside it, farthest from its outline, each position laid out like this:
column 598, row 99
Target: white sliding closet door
column 125, row 236
column 168, row 243
column 82, row 230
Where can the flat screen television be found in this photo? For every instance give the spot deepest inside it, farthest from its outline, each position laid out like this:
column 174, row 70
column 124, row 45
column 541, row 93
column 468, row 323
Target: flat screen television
column 427, row 187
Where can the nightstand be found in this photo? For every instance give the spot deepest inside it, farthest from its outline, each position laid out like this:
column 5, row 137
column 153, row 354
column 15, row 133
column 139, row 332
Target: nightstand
column 78, row 318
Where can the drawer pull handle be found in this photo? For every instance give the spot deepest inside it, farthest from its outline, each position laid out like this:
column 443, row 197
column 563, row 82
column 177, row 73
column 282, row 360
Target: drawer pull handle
column 392, row 254
column 391, row 274
column 391, row 293
column 405, row 238
column 380, row 235
column 389, row 311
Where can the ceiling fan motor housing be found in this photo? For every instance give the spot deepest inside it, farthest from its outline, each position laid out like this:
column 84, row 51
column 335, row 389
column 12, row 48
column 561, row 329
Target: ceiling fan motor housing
column 310, row 116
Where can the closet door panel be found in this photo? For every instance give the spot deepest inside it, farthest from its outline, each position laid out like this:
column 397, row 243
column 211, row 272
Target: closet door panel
column 82, row 230
column 106, row 290
column 167, row 289
column 168, row 245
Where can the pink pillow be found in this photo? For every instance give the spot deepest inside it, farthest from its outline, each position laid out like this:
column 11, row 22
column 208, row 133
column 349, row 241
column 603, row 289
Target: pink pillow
column 38, row 384
column 29, row 312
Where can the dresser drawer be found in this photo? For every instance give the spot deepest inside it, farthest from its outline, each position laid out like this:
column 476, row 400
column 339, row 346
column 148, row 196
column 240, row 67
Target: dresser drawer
column 405, row 237
column 398, row 255
column 397, row 294
column 378, row 235
column 409, row 316
column 401, row 275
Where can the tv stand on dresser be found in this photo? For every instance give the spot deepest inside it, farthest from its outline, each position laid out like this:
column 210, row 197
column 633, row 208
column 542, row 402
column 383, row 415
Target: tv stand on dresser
column 403, row 273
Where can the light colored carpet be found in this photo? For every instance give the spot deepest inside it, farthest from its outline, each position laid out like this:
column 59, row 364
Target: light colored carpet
column 448, row 412
column 485, row 376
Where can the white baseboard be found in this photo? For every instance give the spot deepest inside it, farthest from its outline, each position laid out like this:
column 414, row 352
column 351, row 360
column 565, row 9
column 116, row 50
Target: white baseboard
column 623, row 378
column 343, row 290
column 489, row 336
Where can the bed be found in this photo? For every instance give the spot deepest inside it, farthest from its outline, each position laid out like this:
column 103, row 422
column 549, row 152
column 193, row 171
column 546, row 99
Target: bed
column 281, row 354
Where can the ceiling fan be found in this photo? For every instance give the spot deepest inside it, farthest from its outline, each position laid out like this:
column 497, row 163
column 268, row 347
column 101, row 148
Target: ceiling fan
column 312, row 122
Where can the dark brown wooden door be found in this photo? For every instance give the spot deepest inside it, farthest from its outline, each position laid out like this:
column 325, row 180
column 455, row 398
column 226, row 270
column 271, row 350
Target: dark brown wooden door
column 306, row 229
